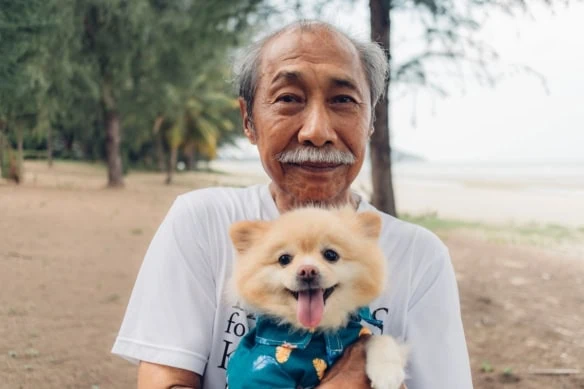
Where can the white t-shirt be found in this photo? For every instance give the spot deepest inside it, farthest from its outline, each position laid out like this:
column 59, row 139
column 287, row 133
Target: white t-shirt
column 178, row 316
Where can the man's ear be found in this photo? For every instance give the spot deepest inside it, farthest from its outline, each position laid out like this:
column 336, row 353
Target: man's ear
column 248, row 129
column 245, row 233
column 370, row 224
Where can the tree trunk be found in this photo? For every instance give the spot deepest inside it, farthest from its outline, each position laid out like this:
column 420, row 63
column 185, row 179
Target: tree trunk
column 20, row 157
column 115, row 172
column 50, row 146
column 1, row 143
column 383, row 195
column 190, row 160
column 160, row 159
column 3, row 163
column 171, row 164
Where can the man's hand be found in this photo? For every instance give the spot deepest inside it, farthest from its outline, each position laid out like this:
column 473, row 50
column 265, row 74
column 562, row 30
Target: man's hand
column 349, row 371
column 153, row 376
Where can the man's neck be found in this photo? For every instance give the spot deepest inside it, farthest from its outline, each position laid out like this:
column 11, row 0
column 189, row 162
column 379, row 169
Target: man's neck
column 286, row 202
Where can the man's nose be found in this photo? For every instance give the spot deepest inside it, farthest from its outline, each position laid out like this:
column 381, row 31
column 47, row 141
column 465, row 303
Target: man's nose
column 317, row 129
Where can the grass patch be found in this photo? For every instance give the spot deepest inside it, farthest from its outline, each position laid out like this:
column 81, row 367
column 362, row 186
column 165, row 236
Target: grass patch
column 137, row 231
column 534, row 234
column 112, row 298
column 486, row 367
column 432, row 222
column 550, row 230
column 16, row 312
column 31, row 353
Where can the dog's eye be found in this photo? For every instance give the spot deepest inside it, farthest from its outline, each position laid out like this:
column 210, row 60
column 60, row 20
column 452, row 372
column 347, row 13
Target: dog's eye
column 330, row 255
column 285, row 259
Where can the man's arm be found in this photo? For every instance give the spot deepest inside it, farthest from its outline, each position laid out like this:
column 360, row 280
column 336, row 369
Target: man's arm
column 349, row 371
column 169, row 318
column 438, row 355
column 154, row 376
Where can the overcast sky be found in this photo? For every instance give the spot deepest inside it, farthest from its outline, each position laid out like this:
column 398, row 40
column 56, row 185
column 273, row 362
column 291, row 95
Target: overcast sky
column 517, row 120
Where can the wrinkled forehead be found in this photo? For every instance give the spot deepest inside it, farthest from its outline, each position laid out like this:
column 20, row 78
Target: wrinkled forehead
column 319, row 46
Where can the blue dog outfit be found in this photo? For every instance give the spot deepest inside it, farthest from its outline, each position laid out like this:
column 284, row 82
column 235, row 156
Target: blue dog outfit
column 279, row 356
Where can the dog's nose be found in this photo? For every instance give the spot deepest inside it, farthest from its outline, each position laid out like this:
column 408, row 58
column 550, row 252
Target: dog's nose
column 307, row 273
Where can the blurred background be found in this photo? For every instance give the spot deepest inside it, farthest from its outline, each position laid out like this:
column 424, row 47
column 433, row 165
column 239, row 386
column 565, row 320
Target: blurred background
column 109, row 109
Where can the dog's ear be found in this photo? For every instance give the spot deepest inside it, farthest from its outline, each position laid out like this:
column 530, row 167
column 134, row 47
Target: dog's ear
column 370, row 224
column 243, row 234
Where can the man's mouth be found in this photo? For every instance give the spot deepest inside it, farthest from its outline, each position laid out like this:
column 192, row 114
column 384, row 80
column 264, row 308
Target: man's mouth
column 310, row 305
column 316, row 166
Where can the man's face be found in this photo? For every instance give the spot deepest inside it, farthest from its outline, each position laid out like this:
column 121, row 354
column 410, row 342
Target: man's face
column 311, row 92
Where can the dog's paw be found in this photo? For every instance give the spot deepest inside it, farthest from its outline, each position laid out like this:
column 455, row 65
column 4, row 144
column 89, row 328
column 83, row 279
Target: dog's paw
column 385, row 365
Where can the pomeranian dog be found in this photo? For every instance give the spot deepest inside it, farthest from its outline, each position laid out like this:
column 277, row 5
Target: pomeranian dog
column 309, row 276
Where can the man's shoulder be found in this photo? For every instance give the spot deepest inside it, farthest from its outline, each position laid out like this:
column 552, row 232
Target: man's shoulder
column 401, row 230
column 404, row 238
column 223, row 200
column 420, row 236
column 220, row 195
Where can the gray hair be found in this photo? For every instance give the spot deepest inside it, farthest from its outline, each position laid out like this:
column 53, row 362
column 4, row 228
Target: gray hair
column 373, row 59
column 303, row 154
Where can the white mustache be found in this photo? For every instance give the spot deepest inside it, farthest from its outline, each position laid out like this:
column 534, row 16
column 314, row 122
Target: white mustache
column 316, row 155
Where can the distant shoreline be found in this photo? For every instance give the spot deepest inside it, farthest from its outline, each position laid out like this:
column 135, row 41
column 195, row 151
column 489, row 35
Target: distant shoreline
column 493, row 193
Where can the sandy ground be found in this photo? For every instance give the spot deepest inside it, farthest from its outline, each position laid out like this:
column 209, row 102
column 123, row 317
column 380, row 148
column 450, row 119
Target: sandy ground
column 70, row 251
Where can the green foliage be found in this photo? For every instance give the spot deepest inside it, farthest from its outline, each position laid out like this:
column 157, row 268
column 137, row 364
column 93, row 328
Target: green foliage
column 531, row 234
column 23, row 30
column 435, row 223
column 36, row 40
column 67, row 64
column 486, row 367
column 27, row 29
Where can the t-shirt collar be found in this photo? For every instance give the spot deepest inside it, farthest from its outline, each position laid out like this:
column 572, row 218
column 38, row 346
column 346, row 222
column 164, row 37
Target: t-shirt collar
column 270, row 210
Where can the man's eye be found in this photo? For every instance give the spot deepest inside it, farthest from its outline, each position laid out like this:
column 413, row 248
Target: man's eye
column 288, row 99
column 343, row 99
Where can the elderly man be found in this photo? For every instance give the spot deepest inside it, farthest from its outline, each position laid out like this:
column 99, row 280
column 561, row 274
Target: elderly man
column 307, row 96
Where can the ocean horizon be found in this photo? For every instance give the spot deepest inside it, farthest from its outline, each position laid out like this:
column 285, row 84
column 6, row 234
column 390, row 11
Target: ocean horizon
column 556, row 176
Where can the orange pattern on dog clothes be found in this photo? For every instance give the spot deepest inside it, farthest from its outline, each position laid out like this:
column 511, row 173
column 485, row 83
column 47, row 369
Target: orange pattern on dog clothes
column 283, row 353
column 320, row 367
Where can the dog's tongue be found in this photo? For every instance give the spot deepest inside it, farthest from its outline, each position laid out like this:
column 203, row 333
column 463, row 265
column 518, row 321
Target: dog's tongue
column 310, row 307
